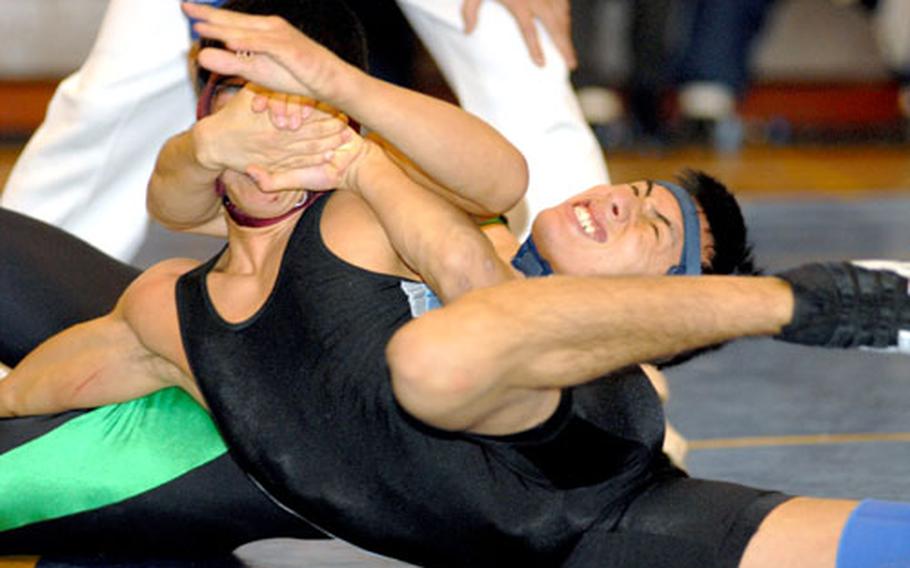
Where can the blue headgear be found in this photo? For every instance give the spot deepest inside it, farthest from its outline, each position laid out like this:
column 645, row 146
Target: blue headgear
column 690, row 259
column 529, row 262
column 214, row 3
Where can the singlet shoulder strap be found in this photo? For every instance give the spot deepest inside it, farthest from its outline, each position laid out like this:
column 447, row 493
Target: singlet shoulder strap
column 190, row 288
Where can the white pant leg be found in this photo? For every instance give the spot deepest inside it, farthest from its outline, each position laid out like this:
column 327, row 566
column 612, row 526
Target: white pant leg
column 493, row 77
column 87, row 166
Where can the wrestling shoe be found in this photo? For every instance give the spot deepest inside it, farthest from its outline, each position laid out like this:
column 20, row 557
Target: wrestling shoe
column 862, row 304
column 902, row 269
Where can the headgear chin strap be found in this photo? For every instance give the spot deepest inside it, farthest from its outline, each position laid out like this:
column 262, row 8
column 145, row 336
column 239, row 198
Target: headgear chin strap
column 246, row 220
column 690, row 259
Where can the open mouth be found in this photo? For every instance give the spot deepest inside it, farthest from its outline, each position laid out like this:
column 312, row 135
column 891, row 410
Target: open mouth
column 587, row 223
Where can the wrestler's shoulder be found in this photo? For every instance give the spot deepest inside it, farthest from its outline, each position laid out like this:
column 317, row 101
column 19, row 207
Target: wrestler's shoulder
column 161, row 277
column 172, row 267
column 168, row 270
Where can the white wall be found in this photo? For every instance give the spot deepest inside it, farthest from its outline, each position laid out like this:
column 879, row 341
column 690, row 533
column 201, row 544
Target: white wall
column 818, row 40
column 805, row 39
column 46, row 38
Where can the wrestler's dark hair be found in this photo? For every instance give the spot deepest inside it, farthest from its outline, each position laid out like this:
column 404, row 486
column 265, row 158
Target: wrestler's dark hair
column 330, row 23
column 732, row 249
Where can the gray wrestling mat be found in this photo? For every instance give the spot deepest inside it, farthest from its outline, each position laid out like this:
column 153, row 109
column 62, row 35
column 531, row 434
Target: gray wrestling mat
column 822, row 423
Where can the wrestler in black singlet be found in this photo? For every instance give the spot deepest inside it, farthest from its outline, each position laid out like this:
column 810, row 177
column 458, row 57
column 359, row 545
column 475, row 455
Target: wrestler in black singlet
column 301, row 393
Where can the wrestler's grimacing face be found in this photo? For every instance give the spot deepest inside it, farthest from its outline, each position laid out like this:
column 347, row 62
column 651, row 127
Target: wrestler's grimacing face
column 627, row 229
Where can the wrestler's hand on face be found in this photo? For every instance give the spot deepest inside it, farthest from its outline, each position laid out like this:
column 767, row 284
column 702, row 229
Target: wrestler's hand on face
column 238, row 138
column 287, row 112
column 324, row 176
column 268, row 51
column 553, row 14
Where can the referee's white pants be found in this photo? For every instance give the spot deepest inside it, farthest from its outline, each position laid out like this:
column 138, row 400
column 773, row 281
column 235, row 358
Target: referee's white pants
column 86, row 168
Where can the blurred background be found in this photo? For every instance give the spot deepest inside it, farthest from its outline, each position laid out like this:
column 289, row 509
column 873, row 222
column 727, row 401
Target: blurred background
column 771, row 95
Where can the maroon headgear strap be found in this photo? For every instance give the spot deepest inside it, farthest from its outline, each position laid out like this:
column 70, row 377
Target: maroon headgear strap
column 245, row 220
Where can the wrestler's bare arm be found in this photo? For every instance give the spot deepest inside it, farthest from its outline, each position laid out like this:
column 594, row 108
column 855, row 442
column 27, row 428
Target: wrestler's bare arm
column 493, row 361
column 383, row 214
column 130, row 352
column 466, row 158
column 181, row 193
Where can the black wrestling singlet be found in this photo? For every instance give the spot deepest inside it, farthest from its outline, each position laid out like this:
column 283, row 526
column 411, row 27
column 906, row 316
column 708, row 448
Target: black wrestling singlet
column 301, row 393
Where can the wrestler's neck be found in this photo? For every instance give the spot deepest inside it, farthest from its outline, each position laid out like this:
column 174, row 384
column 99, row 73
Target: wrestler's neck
column 504, row 242
column 256, row 250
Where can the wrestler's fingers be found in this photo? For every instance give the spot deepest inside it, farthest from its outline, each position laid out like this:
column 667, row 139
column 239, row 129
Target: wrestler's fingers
column 259, row 68
column 525, row 20
column 223, row 17
column 556, row 19
column 297, row 111
column 220, row 61
column 271, row 39
column 260, row 103
column 303, row 107
column 295, row 158
column 278, row 111
column 469, row 9
column 303, row 149
column 234, row 39
column 315, row 178
column 318, row 177
column 324, row 128
column 261, row 176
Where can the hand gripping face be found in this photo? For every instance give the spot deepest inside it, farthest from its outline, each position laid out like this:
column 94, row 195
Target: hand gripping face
column 850, row 304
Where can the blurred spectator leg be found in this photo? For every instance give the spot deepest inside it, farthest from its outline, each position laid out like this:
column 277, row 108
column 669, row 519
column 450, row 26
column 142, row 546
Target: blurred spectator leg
column 649, row 76
column 601, row 102
column 714, row 70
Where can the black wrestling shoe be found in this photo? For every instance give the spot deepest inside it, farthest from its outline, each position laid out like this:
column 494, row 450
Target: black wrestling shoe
column 863, row 304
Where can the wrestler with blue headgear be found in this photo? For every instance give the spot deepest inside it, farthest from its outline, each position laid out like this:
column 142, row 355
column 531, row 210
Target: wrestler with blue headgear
column 629, row 229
